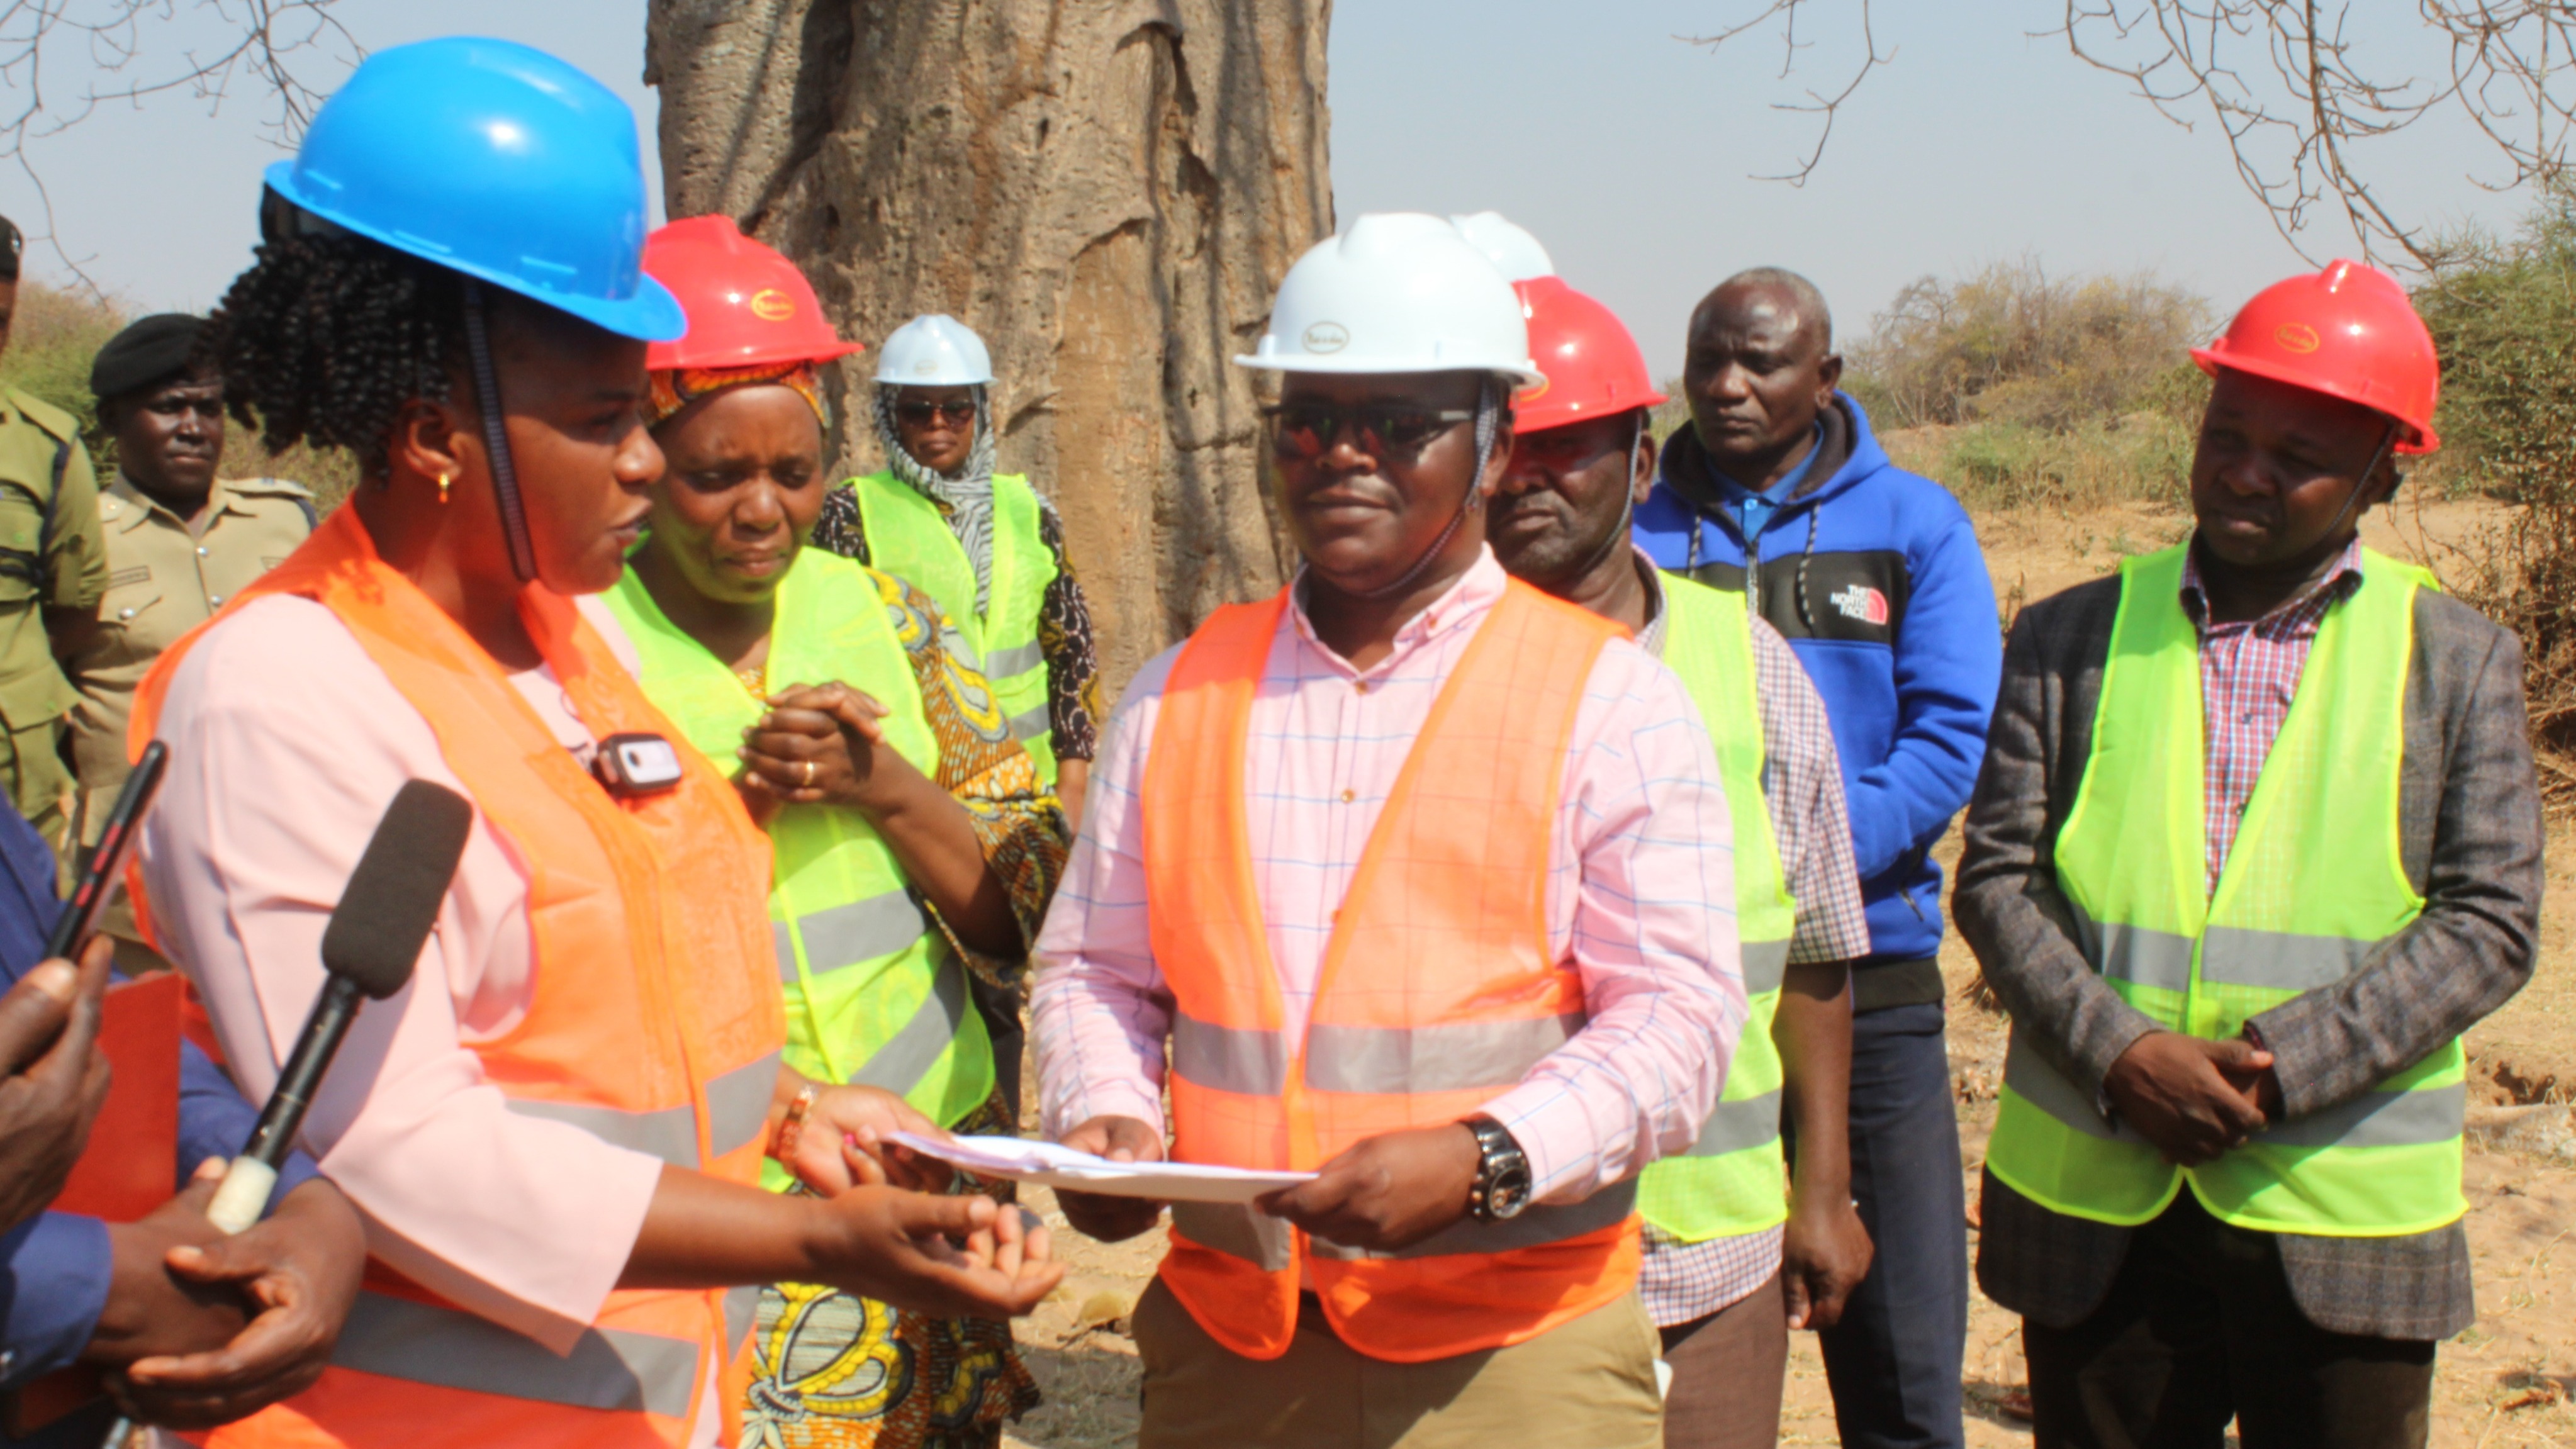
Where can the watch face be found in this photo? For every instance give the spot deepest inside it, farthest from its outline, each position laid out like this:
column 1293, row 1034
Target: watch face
column 1510, row 1191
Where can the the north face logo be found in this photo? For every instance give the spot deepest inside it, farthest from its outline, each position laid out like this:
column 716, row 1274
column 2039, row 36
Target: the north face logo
column 1861, row 602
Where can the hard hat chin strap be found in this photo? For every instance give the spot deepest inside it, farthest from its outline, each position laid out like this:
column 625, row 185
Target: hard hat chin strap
column 496, row 435
column 1489, row 420
column 2387, row 441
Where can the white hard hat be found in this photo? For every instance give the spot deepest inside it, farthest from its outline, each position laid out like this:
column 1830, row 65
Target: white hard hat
column 1512, row 250
column 1398, row 292
column 934, row 351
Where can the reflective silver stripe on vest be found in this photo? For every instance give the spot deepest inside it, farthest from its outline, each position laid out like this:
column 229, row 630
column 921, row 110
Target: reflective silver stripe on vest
column 1237, row 1230
column 737, row 1107
column 2379, row 1119
column 1019, row 659
column 1229, row 1059
column 2045, row 1088
column 2278, row 960
column 909, row 1054
column 1030, row 725
column 742, row 1312
column 849, row 934
column 609, row 1368
column 2160, row 959
column 1461, row 1056
column 1734, row 1126
column 1542, row 1223
column 738, row 1104
column 1766, row 965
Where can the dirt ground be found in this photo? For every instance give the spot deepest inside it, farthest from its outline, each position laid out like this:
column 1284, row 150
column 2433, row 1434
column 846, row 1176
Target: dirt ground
column 2508, row 1381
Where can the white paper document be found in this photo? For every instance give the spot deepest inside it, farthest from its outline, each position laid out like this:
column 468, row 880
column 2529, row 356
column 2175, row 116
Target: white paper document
column 1025, row 1161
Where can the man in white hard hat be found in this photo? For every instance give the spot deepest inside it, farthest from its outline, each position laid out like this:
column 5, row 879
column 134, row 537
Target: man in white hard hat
column 1425, row 880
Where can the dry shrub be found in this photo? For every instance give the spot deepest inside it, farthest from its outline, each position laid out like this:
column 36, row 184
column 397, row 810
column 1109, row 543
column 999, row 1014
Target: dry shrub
column 2503, row 314
column 2012, row 345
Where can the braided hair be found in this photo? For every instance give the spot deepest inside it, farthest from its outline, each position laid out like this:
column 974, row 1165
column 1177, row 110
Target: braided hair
column 327, row 336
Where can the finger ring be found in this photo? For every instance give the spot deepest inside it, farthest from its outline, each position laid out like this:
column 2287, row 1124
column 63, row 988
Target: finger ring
column 808, row 781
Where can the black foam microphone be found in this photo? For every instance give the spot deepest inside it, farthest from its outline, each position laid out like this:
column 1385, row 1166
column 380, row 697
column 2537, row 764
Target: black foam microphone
column 375, row 936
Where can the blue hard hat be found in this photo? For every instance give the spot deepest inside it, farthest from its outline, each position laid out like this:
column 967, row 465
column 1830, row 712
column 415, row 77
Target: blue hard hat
column 496, row 160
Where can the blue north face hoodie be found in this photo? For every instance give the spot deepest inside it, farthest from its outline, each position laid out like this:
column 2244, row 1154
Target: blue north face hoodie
column 1874, row 576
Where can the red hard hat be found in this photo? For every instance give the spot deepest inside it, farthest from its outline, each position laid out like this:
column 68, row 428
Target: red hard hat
column 1593, row 367
column 2348, row 332
column 746, row 304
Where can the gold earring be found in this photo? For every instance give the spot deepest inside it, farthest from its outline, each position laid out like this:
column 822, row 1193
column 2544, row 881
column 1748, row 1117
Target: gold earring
column 442, row 488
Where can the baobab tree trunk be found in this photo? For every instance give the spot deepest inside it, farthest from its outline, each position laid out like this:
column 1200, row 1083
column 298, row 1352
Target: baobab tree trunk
column 1107, row 190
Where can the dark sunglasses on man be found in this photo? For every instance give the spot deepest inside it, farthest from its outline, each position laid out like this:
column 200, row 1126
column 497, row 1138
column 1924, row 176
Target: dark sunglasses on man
column 1307, row 429
column 958, row 412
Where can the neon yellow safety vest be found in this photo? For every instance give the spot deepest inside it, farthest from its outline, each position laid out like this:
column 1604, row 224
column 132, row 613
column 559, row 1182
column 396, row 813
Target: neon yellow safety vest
column 2312, row 886
column 873, row 995
column 1734, row 1179
column 908, row 535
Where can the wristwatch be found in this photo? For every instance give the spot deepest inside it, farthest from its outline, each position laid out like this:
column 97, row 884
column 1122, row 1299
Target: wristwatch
column 1502, row 1186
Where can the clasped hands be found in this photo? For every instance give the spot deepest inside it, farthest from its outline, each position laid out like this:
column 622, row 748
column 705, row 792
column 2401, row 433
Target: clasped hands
column 1381, row 1194
column 817, row 745
column 955, row 1256
column 2194, row 1099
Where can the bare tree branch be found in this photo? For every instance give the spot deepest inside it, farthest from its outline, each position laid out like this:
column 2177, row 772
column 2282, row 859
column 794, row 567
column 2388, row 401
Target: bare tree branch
column 1786, row 12
column 2287, row 85
column 271, row 46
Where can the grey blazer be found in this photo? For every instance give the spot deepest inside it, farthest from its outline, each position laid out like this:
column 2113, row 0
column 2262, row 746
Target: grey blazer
column 2470, row 822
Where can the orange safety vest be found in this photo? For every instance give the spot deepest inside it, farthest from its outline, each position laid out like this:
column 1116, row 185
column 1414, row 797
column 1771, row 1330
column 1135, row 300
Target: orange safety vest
column 655, row 1023
column 1437, row 994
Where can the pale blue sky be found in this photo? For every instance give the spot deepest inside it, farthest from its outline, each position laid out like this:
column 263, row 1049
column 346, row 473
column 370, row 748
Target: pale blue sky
column 1625, row 149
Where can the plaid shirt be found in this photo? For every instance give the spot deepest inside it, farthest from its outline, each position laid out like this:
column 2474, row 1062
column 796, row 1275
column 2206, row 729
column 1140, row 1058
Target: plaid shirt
column 2249, row 673
column 1802, row 787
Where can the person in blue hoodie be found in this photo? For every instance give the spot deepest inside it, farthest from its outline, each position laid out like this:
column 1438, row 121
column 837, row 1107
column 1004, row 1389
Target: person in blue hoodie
column 193, row 1329
column 1777, row 488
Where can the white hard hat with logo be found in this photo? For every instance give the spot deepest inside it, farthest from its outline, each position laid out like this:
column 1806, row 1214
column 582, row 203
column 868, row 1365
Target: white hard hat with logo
column 1398, row 292
column 934, row 351
column 1512, row 250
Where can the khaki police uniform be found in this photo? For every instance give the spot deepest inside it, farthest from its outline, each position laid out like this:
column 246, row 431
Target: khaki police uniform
column 51, row 557
column 165, row 576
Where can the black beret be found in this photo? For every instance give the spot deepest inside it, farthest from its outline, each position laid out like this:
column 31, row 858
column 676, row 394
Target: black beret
column 147, row 354
column 11, row 244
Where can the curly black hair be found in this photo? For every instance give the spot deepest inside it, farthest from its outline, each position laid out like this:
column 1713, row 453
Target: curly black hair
column 327, row 336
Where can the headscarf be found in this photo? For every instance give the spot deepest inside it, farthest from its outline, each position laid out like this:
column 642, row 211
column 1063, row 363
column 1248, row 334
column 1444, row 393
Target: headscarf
column 966, row 496
column 677, row 387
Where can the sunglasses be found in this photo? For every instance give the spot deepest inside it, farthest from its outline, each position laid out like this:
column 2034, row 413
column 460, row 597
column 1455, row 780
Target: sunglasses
column 1307, row 429
column 919, row 414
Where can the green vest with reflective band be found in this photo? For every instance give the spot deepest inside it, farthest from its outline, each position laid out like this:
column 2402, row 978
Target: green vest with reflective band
column 2313, row 884
column 1733, row 1180
column 909, row 536
column 872, row 994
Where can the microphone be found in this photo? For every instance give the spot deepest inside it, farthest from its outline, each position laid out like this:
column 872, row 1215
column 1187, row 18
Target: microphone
column 383, row 919
column 376, row 932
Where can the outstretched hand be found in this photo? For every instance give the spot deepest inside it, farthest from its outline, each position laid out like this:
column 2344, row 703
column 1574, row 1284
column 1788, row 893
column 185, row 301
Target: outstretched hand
column 843, row 1144
column 1105, row 1216
column 947, row 1257
column 2192, row 1099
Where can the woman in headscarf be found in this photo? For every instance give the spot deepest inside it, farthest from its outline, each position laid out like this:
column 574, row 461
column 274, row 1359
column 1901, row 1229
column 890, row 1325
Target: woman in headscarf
column 914, row 843
column 987, row 546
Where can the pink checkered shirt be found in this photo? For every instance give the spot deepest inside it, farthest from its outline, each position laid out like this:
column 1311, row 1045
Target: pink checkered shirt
column 2249, row 673
column 1640, row 892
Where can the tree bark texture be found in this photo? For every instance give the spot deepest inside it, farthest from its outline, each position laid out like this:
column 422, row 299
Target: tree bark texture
column 1107, row 190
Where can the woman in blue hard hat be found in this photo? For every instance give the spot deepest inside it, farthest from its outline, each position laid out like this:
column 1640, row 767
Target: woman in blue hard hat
column 986, row 545
column 555, row 1133
column 916, row 850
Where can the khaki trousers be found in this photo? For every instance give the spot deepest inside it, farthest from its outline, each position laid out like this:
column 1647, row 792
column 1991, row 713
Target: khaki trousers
column 1587, row 1384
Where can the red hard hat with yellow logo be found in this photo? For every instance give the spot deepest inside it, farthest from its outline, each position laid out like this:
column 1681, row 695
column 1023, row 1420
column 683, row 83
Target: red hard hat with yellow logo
column 747, row 305
column 1593, row 367
column 2348, row 332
